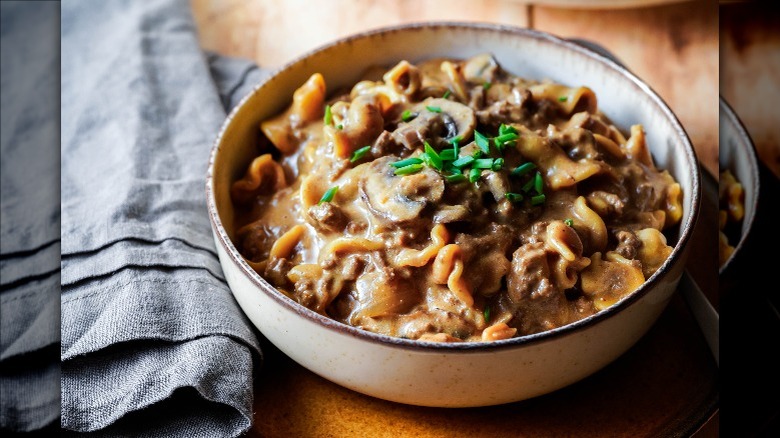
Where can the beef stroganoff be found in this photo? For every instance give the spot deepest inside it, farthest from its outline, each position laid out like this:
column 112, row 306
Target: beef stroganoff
column 453, row 201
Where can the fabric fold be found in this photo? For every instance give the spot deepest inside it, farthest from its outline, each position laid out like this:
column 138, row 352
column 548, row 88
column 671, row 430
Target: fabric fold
column 15, row 270
column 30, row 399
column 31, row 316
column 149, row 304
column 235, row 77
column 135, row 208
column 147, row 319
column 169, row 253
column 125, row 384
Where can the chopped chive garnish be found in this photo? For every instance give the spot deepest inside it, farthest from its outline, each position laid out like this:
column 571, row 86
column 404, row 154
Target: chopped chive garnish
column 434, row 160
column 433, row 109
column 486, row 314
column 477, row 154
column 538, row 183
column 462, row 162
column 340, row 126
column 538, row 199
column 474, row 175
column 527, row 186
column 456, row 178
column 446, row 94
column 486, row 85
column 506, row 129
column 328, row 196
column 406, row 162
column 483, row 163
column 408, row 170
column 513, row 197
column 523, row 169
column 498, row 164
column 447, row 155
column 482, row 142
column 451, row 169
column 568, row 222
column 455, row 145
column 503, row 138
column 407, row 115
column 563, row 99
column 360, row 153
column 328, row 119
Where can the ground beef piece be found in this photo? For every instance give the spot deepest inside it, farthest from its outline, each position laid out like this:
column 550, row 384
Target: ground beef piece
column 628, row 244
column 328, row 217
column 276, row 272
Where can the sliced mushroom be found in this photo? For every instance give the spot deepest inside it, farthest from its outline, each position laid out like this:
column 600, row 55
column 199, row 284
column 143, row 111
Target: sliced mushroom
column 450, row 213
column 380, row 294
column 399, row 199
column 481, row 68
column 447, row 120
column 498, row 184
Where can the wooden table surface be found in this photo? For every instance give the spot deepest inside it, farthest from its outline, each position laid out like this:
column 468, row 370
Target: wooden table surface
column 674, row 47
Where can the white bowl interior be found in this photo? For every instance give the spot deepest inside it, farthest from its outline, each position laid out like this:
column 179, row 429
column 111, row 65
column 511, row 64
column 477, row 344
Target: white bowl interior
column 738, row 154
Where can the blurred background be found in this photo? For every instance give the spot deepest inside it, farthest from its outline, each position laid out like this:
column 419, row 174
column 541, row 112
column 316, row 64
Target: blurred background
column 750, row 72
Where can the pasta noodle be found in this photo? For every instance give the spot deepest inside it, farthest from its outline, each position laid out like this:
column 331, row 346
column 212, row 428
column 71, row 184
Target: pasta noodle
column 412, row 257
column 450, row 200
column 497, row 332
column 621, row 274
column 732, row 211
column 262, row 169
column 448, row 269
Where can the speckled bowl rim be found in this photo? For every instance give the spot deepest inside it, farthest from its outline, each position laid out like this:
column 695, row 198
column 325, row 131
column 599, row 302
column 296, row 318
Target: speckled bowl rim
column 747, row 151
column 685, row 234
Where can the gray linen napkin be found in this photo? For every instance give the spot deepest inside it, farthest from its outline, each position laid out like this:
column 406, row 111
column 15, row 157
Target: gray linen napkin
column 29, row 216
column 153, row 343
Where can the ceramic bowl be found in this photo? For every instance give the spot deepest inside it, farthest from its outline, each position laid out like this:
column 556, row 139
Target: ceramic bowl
column 738, row 154
column 452, row 374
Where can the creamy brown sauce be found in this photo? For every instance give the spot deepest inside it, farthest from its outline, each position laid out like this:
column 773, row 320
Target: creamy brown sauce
column 547, row 214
